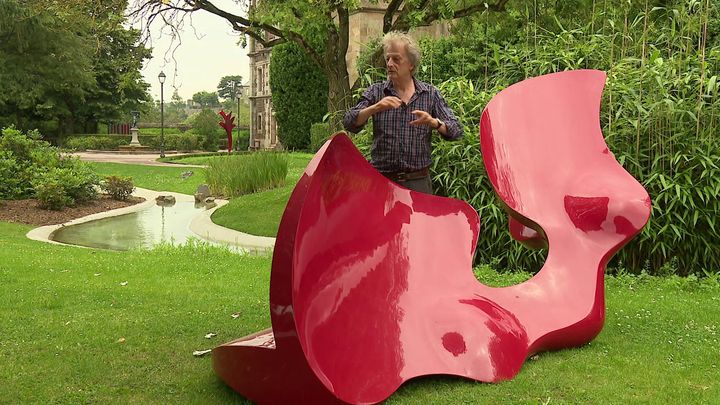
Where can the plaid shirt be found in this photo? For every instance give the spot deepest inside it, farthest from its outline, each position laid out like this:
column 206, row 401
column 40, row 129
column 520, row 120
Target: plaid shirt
column 398, row 146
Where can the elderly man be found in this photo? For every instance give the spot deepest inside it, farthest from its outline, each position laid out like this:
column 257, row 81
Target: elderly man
column 405, row 112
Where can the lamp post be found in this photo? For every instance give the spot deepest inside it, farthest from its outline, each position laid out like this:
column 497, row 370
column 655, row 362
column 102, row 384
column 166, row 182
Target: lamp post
column 161, row 78
column 238, row 94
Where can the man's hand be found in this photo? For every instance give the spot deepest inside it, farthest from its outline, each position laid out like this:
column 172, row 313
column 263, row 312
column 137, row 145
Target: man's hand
column 423, row 118
column 387, row 103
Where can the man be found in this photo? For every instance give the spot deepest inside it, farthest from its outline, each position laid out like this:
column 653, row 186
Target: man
column 405, row 112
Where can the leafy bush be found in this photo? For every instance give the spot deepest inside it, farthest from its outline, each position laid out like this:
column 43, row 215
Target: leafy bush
column 11, row 182
column 659, row 116
column 51, row 194
column 118, row 187
column 319, row 133
column 95, row 142
column 31, row 167
column 299, row 95
column 236, row 175
column 242, row 141
column 78, row 179
column 205, row 125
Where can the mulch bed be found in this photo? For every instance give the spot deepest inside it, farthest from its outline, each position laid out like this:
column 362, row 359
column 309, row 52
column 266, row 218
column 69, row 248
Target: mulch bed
column 28, row 212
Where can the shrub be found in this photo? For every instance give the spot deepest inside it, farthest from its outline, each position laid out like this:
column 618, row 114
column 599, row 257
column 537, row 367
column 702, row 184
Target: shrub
column 52, row 195
column 319, row 133
column 11, row 184
column 118, row 187
column 242, row 141
column 236, row 175
column 299, row 94
column 205, row 125
column 95, row 142
column 30, row 167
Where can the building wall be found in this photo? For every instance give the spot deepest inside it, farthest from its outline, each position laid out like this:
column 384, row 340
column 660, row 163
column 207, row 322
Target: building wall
column 263, row 127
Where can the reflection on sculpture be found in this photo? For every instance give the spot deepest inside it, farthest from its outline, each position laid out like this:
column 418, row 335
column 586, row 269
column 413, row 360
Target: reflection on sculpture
column 372, row 283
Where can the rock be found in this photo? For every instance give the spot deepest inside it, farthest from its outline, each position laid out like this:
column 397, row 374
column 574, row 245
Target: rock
column 209, row 200
column 185, row 175
column 165, row 200
column 203, row 192
column 209, row 205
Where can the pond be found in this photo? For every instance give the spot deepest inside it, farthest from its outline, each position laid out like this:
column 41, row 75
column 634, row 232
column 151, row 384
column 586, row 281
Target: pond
column 139, row 229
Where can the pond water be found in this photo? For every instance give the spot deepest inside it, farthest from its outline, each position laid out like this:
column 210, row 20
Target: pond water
column 140, row 229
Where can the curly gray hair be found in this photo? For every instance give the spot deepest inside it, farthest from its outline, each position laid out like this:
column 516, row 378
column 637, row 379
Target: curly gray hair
column 411, row 46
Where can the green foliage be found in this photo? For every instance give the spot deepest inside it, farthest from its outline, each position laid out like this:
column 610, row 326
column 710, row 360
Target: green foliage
column 241, row 140
column 260, row 213
column 206, row 99
column 228, row 86
column 319, row 133
column 299, row 95
column 96, row 142
column 65, row 185
column 51, row 194
column 118, row 187
column 62, row 69
column 31, row 167
column 205, row 124
column 236, row 175
column 646, row 339
column 659, row 114
column 164, row 178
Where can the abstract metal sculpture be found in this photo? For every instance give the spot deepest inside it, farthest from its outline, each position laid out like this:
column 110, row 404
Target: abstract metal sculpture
column 372, row 283
column 228, row 125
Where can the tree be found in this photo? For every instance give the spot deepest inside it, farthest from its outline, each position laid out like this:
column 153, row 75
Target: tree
column 228, row 85
column 45, row 65
column 68, row 64
column 206, row 99
column 320, row 28
column 299, row 89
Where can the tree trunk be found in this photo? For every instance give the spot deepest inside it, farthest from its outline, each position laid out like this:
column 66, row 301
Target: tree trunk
column 339, row 95
column 335, row 67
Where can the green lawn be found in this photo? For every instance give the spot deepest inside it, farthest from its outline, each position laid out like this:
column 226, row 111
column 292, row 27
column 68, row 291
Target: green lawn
column 65, row 314
column 258, row 213
column 160, row 178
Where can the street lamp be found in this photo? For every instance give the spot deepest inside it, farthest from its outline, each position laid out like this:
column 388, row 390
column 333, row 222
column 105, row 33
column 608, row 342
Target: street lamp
column 161, row 78
column 238, row 94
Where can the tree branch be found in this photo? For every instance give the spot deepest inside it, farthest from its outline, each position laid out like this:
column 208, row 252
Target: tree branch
column 402, row 24
column 390, row 11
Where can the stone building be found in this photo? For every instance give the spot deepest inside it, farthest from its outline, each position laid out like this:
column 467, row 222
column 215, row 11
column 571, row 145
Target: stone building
column 263, row 127
column 365, row 23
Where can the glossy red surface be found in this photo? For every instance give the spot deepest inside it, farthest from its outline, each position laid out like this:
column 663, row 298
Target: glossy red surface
column 228, row 125
column 372, row 284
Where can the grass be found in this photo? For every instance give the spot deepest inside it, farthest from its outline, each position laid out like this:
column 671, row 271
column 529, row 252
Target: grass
column 257, row 213
column 233, row 176
column 260, row 213
column 160, row 178
column 65, row 314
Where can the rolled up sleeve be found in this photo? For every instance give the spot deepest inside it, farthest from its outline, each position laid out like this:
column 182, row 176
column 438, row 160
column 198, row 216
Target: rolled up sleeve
column 444, row 113
column 351, row 115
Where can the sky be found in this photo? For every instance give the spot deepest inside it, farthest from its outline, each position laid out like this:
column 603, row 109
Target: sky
column 207, row 53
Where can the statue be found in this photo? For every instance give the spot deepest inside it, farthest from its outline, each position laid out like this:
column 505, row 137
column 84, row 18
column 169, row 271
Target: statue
column 372, row 283
column 135, row 118
column 227, row 124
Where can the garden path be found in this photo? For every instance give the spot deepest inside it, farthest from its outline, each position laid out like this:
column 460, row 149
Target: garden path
column 147, row 159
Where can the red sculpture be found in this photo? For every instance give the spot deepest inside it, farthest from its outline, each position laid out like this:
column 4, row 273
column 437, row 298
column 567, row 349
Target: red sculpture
column 372, row 283
column 227, row 124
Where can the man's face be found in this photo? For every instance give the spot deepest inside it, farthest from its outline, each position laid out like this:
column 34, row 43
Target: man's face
column 397, row 61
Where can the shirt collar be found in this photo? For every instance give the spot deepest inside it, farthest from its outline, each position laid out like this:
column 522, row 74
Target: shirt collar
column 419, row 86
